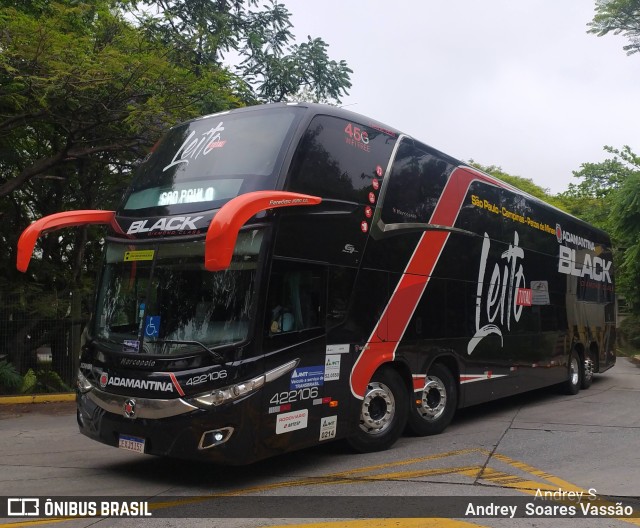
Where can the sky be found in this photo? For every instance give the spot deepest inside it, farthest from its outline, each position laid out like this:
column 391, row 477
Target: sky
column 514, row 83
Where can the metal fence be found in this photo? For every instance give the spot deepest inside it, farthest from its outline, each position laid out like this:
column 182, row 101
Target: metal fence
column 44, row 352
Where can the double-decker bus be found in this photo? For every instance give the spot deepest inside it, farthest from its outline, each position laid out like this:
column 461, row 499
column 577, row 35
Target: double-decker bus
column 286, row 275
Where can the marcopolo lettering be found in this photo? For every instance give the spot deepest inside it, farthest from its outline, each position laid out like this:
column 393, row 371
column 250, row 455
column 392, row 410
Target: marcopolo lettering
column 174, row 223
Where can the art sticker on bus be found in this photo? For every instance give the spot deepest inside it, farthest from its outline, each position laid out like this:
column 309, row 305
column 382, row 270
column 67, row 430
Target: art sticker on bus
column 192, row 147
column 594, row 267
column 505, row 294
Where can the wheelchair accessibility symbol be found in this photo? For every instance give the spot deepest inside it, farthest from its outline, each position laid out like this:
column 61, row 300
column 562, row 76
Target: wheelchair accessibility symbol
column 152, row 326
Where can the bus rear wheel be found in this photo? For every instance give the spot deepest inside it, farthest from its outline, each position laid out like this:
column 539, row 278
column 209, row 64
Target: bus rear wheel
column 576, row 373
column 588, row 369
column 434, row 406
column 383, row 413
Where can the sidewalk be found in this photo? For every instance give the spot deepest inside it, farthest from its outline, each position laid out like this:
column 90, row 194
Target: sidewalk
column 37, row 398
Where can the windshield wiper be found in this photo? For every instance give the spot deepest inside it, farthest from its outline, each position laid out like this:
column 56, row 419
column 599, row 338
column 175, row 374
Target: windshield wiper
column 217, row 357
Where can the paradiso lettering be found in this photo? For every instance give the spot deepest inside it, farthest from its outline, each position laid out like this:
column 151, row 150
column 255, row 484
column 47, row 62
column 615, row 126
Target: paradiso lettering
column 505, row 294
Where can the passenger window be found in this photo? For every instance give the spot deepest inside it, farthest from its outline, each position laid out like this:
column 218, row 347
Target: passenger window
column 340, row 159
column 418, row 177
column 295, row 298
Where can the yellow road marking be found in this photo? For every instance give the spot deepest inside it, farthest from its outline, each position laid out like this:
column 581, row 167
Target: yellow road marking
column 357, row 475
column 387, row 523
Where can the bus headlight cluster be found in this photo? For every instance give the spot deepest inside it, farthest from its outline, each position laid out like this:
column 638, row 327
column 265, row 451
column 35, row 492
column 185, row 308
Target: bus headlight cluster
column 233, row 392
column 83, row 384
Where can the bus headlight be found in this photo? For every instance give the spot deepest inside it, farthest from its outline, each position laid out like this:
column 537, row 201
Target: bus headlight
column 233, row 392
column 83, row 384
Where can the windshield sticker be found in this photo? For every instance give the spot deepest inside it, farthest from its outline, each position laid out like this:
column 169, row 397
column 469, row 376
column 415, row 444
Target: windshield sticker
column 130, row 345
column 328, row 427
column 152, row 326
column 133, row 256
column 291, row 421
column 194, row 146
column 356, row 137
column 307, row 377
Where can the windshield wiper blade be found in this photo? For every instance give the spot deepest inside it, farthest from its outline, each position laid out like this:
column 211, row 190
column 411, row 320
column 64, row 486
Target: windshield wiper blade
column 217, row 357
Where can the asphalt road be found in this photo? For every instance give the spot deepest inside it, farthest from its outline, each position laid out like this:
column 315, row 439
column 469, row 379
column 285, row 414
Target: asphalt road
column 504, row 452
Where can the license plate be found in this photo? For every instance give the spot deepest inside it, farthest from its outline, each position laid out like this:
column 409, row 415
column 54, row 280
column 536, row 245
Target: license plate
column 131, row 443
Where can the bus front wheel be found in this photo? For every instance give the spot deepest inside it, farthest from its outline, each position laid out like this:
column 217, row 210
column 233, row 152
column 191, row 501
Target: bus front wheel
column 435, row 405
column 383, row 413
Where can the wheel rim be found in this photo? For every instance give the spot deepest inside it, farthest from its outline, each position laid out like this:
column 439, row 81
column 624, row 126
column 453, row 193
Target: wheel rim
column 574, row 371
column 378, row 409
column 588, row 370
column 434, row 399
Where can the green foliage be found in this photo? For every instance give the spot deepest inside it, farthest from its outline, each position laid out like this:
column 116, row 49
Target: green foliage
column 29, row 382
column 592, row 199
column 83, row 95
column 608, row 197
column 9, row 378
column 618, row 17
column 271, row 66
column 626, row 219
column 630, row 332
column 43, row 381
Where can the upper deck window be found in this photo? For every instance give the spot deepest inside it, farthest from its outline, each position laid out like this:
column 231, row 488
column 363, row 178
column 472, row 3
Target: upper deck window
column 202, row 164
column 340, row 159
column 418, row 177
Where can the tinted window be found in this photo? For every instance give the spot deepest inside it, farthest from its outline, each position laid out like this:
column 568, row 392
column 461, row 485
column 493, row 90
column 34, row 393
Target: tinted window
column 202, row 164
column 418, row 176
column 340, row 159
column 296, row 292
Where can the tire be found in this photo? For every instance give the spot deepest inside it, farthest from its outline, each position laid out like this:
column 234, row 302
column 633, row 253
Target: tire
column 587, row 372
column 439, row 400
column 574, row 374
column 383, row 413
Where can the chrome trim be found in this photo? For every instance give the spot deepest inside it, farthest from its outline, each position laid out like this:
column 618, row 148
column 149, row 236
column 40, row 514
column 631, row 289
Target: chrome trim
column 145, row 407
column 281, row 370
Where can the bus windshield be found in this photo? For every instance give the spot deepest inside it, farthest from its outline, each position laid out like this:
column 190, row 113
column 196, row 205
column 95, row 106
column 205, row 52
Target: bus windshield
column 201, row 164
column 158, row 299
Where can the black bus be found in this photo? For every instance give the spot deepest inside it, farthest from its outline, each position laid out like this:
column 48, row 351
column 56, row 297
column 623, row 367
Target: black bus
column 285, row 275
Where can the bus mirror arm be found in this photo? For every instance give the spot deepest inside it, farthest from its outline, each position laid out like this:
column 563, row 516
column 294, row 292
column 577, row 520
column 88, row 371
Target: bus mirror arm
column 223, row 230
column 30, row 235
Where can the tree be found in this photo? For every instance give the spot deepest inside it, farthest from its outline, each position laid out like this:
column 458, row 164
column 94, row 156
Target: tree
column 626, row 221
column 608, row 196
column 83, row 95
column 618, row 17
column 271, row 67
column 592, row 199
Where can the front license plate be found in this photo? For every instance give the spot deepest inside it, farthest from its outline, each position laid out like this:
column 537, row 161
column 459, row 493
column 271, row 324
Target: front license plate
column 131, row 443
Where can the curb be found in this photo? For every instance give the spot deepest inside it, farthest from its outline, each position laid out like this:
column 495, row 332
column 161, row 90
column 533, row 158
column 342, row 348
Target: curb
column 38, row 398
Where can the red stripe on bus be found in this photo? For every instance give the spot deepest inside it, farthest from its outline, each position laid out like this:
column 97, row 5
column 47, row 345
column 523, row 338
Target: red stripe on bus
column 176, row 384
column 387, row 334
